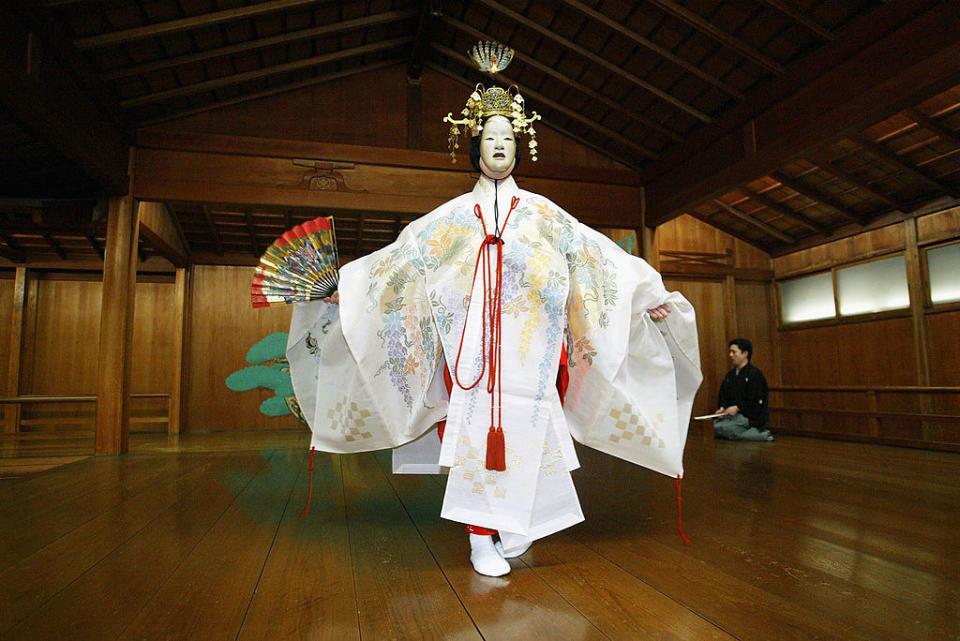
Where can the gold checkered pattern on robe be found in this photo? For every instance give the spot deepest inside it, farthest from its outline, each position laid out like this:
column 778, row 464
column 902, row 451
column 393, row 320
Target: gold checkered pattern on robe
column 347, row 418
column 630, row 425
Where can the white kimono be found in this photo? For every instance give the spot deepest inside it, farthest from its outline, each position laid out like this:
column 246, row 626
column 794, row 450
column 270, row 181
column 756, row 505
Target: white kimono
column 367, row 372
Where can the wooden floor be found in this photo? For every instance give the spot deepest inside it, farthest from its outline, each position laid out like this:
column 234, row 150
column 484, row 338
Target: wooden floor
column 200, row 538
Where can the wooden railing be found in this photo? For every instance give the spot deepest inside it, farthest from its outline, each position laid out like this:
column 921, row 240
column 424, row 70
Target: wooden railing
column 35, row 399
column 866, row 405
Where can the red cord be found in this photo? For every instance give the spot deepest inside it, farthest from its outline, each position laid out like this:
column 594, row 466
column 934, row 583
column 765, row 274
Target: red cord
column 493, row 352
column 683, row 536
column 306, row 508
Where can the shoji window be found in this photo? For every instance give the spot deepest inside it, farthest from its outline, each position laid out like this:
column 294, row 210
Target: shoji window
column 808, row 298
column 877, row 286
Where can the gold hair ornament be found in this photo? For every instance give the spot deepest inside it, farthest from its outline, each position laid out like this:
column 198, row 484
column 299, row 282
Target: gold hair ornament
column 494, row 101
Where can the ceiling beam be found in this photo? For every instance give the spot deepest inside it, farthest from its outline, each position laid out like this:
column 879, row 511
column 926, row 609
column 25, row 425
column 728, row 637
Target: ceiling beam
column 214, row 234
column 626, row 32
column 569, row 134
column 54, row 245
column 184, row 24
column 861, row 184
column 747, row 218
column 783, row 210
column 162, row 247
column 260, row 43
column 60, row 100
column 703, row 25
column 812, row 194
column 293, row 86
column 256, row 74
column 907, row 54
column 569, row 113
column 254, row 243
column 935, row 126
column 924, row 176
column 801, row 19
column 570, row 82
column 606, row 64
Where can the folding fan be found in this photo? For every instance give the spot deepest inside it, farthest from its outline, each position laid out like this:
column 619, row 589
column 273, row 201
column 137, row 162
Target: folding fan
column 299, row 266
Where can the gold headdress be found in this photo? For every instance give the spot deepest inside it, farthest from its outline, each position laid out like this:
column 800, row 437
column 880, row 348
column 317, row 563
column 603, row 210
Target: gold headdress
column 493, row 101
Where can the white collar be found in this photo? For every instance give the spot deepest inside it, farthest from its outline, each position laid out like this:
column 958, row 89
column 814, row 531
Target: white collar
column 505, row 189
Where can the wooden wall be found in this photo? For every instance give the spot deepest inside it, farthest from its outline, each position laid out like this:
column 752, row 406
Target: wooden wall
column 222, row 327
column 60, row 343
column 728, row 305
column 371, row 110
column 913, row 347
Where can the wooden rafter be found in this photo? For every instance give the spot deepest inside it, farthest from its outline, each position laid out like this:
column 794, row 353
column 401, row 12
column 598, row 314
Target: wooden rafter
column 259, row 43
column 13, row 251
column 212, row 228
column 162, row 247
column 570, row 82
column 569, row 134
column 55, row 99
column 654, row 47
column 256, row 74
column 783, row 210
column 96, row 246
column 861, row 184
column 184, row 24
column 569, row 113
column 54, row 245
column 356, row 247
column 293, row 86
column 254, row 244
column 800, row 18
column 896, row 55
column 807, row 192
column 768, row 229
column 896, row 159
column 701, row 24
column 606, row 64
column 934, row 126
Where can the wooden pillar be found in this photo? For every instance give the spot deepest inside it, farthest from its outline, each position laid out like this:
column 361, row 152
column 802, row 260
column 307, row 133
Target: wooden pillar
column 116, row 325
column 915, row 285
column 11, row 412
column 647, row 236
column 181, row 297
column 414, row 113
column 917, row 299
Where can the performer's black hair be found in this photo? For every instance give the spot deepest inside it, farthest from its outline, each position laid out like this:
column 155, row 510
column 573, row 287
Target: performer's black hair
column 743, row 345
column 475, row 148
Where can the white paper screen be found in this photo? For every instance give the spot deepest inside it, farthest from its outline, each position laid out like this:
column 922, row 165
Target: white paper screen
column 873, row 287
column 808, row 298
column 943, row 264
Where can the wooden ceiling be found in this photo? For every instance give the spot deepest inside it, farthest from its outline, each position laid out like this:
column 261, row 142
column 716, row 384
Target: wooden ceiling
column 716, row 103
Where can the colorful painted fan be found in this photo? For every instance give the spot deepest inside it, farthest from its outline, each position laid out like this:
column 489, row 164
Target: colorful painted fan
column 299, row 266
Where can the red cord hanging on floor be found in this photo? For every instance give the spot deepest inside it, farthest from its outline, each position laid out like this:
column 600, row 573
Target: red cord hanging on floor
column 306, row 508
column 683, row 536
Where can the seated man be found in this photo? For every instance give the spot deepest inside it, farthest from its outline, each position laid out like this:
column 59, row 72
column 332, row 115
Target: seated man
column 743, row 398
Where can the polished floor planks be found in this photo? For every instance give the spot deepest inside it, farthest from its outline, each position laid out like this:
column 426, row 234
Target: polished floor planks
column 200, row 537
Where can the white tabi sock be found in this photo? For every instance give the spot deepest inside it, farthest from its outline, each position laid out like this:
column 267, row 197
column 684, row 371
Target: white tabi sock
column 485, row 558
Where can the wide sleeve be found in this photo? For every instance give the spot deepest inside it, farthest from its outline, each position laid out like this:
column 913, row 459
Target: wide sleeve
column 632, row 379
column 366, row 372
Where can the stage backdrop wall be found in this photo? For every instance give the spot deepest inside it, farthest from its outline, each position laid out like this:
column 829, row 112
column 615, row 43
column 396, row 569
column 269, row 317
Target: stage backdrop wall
column 223, row 326
column 909, row 347
column 734, row 301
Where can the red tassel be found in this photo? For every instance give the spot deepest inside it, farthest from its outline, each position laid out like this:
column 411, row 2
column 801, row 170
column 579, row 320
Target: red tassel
column 306, row 508
column 496, row 451
column 683, row 536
